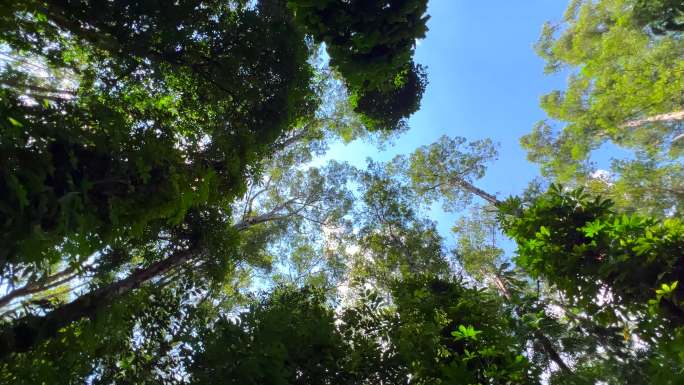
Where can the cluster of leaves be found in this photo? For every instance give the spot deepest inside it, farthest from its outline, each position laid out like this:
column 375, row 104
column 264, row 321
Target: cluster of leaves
column 582, row 246
column 371, row 44
column 288, row 337
column 126, row 344
column 623, row 270
column 450, row 333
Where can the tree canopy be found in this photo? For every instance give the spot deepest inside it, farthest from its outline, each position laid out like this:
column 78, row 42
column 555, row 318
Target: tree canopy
column 164, row 218
column 624, row 88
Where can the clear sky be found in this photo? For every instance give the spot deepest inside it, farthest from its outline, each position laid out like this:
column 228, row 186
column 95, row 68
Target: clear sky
column 485, row 81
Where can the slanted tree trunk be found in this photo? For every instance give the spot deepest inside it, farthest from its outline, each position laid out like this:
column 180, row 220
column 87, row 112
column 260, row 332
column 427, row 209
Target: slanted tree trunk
column 471, row 188
column 668, row 117
column 28, row 332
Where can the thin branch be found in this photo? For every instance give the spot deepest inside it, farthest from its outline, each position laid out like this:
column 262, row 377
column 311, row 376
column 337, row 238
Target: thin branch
column 38, row 286
column 543, row 339
column 36, row 88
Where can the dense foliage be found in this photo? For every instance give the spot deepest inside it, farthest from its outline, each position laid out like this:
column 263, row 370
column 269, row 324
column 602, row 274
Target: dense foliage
column 158, row 121
column 371, row 44
column 624, row 88
column 162, row 221
column 129, row 130
column 622, row 269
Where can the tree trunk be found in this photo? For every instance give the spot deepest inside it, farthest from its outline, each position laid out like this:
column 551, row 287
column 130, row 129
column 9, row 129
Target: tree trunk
column 668, row 117
column 30, row 331
column 467, row 186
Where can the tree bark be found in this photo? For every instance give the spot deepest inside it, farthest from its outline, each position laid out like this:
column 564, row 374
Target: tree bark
column 29, row 331
column 668, row 117
column 467, row 186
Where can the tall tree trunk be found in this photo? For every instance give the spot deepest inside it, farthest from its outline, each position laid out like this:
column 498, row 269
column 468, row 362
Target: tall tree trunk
column 668, row 117
column 471, row 188
column 27, row 332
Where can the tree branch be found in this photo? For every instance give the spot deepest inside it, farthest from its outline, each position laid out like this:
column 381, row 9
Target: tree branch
column 37, row 286
column 668, row 117
column 29, row 331
column 543, row 339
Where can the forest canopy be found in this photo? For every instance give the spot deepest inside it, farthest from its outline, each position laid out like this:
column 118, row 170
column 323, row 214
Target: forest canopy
column 165, row 218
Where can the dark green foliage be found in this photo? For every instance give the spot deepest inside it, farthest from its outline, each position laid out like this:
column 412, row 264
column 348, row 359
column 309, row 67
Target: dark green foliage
column 371, row 44
column 622, row 271
column 661, row 15
column 582, row 246
column 173, row 102
column 387, row 109
column 104, row 349
column 129, row 129
column 289, row 337
column 438, row 331
column 449, row 333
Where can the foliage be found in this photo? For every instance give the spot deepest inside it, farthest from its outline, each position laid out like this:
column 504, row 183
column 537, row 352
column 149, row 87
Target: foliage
column 449, row 333
column 288, row 338
column 623, row 270
column 157, row 172
column 445, row 170
column 624, row 88
column 660, row 15
column 371, row 44
column 153, row 128
column 291, row 337
column 476, row 249
column 582, row 246
column 132, row 342
column 394, row 240
column 130, row 133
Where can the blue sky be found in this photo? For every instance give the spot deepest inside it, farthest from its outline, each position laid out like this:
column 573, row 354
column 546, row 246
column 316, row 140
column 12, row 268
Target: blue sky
column 485, row 81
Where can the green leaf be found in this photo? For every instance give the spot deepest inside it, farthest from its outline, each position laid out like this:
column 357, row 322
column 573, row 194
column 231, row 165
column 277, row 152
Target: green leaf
column 544, row 231
column 465, row 332
column 593, row 228
column 15, row 122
